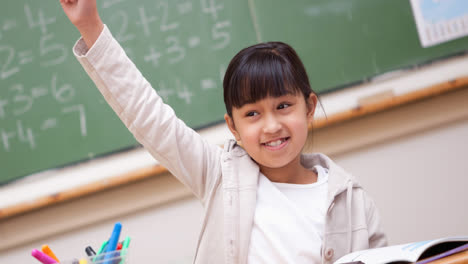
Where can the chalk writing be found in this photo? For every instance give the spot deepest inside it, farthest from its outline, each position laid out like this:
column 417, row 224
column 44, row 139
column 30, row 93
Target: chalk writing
column 6, row 136
column 37, row 92
column 164, row 92
column 221, row 36
column 183, row 92
column 21, row 133
column 175, row 49
column 46, row 98
column 3, row 103
column 184, row 8
column 45, row 48
column 49, row 123
column 210, row 7
column 122, row 18
column 25, row 57
column 21, row 99
column 109, row 3
column 207, row 84
column 145, row 21
column 153, row 56
column 193, row 41
column 63, row 93
column 81, row 115
column 25, row 134
column 165, row 24
column 9, row 24
column 42, row 22
column 7, row 69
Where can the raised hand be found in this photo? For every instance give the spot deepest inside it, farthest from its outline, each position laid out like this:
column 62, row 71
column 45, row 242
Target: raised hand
column 84, row 15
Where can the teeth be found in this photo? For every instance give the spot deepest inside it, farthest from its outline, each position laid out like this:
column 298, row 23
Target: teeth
column 274, row 143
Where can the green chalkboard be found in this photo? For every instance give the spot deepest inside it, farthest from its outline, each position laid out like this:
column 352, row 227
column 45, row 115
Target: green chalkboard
column 348, row 41
column 51, row 115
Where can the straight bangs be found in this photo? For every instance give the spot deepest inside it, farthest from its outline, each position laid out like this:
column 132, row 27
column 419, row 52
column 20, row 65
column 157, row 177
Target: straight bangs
column 270, row 69
column 264, row 74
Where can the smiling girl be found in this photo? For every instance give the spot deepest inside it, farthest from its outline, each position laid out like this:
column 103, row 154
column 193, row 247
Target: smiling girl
column 265, row 201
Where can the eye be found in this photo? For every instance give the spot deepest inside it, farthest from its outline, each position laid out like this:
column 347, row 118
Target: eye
column 284, row 105
column 251, row 113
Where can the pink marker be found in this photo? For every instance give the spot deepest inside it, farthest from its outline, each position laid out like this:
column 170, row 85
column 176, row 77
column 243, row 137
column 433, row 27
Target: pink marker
column 43, row 258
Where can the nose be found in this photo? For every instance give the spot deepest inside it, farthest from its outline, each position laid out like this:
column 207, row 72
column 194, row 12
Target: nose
column 271, row 125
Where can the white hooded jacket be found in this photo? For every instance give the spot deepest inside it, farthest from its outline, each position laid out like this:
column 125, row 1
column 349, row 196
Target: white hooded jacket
column 225, row 181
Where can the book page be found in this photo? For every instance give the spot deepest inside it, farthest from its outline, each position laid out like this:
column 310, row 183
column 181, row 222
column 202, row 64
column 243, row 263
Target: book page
column 406, row 252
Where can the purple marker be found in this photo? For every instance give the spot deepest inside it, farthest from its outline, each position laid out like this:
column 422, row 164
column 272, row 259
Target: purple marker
column 43, row 258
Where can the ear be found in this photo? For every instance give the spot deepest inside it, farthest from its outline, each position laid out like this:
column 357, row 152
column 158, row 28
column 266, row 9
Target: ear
column 231, row 126
column 312, row 103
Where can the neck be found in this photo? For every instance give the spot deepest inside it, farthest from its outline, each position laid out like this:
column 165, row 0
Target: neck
column 293, row 172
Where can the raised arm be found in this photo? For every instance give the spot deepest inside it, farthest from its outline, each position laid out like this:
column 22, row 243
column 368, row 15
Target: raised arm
column 84, row 15
column 189, row 157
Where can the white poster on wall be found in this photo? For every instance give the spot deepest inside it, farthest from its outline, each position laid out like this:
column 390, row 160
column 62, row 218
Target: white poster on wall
column 439, row 21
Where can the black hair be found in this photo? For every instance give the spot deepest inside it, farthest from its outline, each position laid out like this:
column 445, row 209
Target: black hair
column 270, row 69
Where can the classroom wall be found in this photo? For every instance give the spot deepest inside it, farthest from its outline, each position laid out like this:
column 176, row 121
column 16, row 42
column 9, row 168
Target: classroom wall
column 411, row 159
column 418, row 181
column 419, row 178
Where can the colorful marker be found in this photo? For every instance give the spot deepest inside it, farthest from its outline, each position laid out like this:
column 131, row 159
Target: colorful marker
column 126, row 242
column 125, row 245
column 114, row 238
column 112, row 245
column 42, row 257
column 101, row 250
column 90, row 251
column 46, row 250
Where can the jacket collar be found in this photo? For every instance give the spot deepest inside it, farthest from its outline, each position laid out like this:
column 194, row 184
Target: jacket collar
column 338, row 179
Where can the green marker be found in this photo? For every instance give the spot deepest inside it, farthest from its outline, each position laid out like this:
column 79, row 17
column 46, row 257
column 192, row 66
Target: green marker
column 125, row 245
column 101, row 249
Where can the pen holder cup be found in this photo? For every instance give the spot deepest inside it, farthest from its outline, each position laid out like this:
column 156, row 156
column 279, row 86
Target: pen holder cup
column 112, row 257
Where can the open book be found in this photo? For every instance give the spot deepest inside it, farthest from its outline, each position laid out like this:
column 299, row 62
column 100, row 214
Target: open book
column 430, row 251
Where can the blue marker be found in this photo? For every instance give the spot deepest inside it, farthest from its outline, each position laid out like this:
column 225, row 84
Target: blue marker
column 112, row 244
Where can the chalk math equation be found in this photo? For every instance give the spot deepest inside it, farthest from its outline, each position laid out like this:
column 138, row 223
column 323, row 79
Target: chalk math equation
column 164, row 36
column 19, row 99
column 167, row 34
column 51, row 114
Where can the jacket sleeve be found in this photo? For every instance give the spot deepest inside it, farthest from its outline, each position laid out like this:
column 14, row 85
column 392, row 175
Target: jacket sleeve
column 377, row 237
column 154, row 124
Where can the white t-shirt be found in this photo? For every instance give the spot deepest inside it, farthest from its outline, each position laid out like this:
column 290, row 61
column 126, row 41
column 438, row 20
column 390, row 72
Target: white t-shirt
column 289, row 221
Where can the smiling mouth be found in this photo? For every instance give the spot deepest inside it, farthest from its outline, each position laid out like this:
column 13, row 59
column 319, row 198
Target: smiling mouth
column 276, row 143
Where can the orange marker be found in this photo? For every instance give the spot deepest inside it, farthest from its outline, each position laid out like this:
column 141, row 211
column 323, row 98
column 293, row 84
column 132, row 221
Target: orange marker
column 46, row 250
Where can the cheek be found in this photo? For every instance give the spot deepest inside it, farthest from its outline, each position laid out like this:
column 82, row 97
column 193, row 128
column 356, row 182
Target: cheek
column 301, row 126
column 249, row 134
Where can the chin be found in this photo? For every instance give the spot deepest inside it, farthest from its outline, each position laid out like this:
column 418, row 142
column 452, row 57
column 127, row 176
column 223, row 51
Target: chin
column 274, row 165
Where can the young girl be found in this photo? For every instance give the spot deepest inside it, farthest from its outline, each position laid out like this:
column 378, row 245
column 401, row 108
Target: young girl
column 264, row 201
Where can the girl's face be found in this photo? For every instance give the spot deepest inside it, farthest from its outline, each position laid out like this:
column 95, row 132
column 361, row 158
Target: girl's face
column 273, row 130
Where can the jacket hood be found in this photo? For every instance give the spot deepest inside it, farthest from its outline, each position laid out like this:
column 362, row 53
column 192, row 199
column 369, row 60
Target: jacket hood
column 338, row 181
